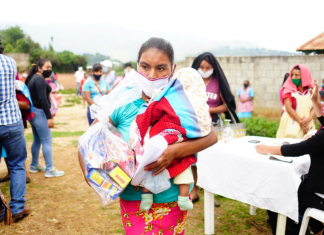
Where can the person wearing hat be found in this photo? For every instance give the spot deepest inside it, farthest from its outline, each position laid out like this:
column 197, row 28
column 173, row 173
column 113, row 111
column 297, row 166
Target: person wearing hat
column 79, row 75
column 108, row 75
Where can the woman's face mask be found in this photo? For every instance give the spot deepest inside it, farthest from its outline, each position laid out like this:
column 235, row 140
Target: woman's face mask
column 148, row 85
column 206, row 74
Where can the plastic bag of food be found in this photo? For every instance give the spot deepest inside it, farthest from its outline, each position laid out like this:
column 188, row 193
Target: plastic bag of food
column 109, row 162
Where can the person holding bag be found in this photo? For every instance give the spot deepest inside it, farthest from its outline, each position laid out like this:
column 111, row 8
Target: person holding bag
column 93, row 87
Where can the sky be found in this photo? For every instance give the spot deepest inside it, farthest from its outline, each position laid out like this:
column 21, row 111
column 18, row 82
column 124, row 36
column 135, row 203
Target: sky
column 118, row 28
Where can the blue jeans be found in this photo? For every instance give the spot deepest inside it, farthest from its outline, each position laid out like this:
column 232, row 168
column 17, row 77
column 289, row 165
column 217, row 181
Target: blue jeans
column 78, row 88
column 42, row 136
column 13, row 140
column 90, row 120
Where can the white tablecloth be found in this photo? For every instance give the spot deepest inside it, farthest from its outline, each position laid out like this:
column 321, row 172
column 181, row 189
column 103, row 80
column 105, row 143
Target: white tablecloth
column 235, row 170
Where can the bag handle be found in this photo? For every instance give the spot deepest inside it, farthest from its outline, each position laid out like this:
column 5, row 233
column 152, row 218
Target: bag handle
column 99, row 89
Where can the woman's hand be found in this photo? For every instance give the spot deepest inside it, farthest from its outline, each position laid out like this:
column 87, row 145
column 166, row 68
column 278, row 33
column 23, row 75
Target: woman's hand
column 50, row 123
column 262, row 149
column 304, row 122
column 164, row 161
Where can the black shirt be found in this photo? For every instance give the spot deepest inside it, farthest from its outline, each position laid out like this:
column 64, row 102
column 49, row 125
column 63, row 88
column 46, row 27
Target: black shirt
column 314, row 146
column 39, row 92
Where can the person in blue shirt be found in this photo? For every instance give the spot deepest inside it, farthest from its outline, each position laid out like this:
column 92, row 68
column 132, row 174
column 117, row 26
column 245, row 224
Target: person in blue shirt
column 93, row 87
column 156, row 59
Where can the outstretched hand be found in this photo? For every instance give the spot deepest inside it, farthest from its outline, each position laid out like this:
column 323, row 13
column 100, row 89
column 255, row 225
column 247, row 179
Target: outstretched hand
column 314, row 90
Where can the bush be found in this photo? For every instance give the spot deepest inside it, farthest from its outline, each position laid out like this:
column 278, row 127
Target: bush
column 260, row 126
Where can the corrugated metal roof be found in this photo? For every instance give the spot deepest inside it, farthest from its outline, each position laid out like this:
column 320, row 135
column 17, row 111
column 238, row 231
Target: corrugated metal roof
column 314, row 44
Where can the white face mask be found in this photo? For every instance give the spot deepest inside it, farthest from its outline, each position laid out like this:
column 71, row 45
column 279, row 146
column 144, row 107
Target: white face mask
column 206, row 74
column 148, row 85
column 25, row 75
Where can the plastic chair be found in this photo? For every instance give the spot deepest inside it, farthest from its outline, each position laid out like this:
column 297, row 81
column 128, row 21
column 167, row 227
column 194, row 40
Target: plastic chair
column 310, row 212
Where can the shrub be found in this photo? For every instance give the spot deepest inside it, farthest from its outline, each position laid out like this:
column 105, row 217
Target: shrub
column 260, row 126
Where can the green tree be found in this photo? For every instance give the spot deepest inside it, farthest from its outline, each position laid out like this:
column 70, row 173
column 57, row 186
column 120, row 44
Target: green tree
column 12, row 35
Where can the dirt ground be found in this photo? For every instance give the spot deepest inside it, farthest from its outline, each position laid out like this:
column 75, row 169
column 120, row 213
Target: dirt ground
column 67, row 205
column 67, row 80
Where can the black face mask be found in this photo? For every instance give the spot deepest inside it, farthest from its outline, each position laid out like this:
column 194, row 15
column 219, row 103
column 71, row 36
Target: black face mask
column 245, row 85
column 47, row 73
column 97, row 77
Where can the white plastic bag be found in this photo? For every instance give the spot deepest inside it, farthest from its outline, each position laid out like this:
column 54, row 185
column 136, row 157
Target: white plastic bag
column 109, row 162
column 157, row 184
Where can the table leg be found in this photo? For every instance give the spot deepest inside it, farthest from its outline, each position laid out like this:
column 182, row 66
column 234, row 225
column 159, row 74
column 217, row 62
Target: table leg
column 209, row 212
column 281, row 224
column 253, row 210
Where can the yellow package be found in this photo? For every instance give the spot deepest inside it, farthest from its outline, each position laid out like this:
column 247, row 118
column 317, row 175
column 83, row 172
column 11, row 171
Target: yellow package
column 120, row 177
column 96, row 177
column 106, row 185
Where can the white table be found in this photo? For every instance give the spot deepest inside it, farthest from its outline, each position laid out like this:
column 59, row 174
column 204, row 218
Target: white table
column 235, row 170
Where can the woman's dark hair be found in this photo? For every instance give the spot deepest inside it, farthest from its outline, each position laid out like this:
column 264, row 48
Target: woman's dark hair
column 34, row 69
column 1, row 49
column 285, row 78
column 127, row 65
column 297, row 67
column 96, row 67
column 208, row 60
column 160, row 44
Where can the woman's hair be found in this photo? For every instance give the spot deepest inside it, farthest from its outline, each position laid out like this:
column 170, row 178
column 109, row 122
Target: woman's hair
column 207, row 59
column 96, row 67
column 1, row 49
column 34, row 69
column 285, row 78
column 160, row 44
column 297, row 68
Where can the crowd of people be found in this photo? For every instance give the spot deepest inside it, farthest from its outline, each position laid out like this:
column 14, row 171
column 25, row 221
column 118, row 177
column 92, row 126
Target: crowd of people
column 34, row 97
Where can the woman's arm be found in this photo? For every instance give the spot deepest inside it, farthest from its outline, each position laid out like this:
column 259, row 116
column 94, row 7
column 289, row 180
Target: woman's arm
column 265, row 149
column 292, row 113
column 41, row 87
column 180, row 150
column 221, row 108
column 87, row 97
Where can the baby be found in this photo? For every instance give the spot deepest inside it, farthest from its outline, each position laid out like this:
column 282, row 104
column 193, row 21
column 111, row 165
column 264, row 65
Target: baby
column 178, row 113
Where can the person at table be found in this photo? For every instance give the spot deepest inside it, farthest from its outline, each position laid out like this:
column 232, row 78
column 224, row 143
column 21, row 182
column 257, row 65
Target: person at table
column 245, row 106
column 298, row 114
column 93, row 87
column 311, row 189
column 220, row 97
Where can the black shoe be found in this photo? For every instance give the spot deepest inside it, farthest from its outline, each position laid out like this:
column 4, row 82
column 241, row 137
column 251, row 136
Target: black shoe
column 196, row 199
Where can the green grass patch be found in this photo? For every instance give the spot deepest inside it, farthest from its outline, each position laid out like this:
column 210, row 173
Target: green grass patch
column 68, row 91
column 74, row 100
column 57, row 134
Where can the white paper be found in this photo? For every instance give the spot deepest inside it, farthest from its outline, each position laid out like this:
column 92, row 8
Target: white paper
column 153, row 149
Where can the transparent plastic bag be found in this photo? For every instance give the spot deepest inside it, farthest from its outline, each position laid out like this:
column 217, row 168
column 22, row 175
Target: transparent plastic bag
column 108, row 160
column 157, row 184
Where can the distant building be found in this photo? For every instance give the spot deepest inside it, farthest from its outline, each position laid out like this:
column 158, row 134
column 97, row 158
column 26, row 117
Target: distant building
column 315, row 45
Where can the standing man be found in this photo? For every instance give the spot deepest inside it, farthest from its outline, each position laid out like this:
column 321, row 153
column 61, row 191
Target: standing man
column 108, row 75
column 12, row 137
column 129, row 71
column 79, row 75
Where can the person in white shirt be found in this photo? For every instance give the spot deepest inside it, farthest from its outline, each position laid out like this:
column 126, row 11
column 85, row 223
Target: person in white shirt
column 108, row 75
column 79, row 75
column 129, row 71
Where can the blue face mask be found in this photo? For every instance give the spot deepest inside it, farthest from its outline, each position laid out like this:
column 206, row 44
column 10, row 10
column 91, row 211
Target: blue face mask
column 96, row 77
column 104, row 70
column 323, row 85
